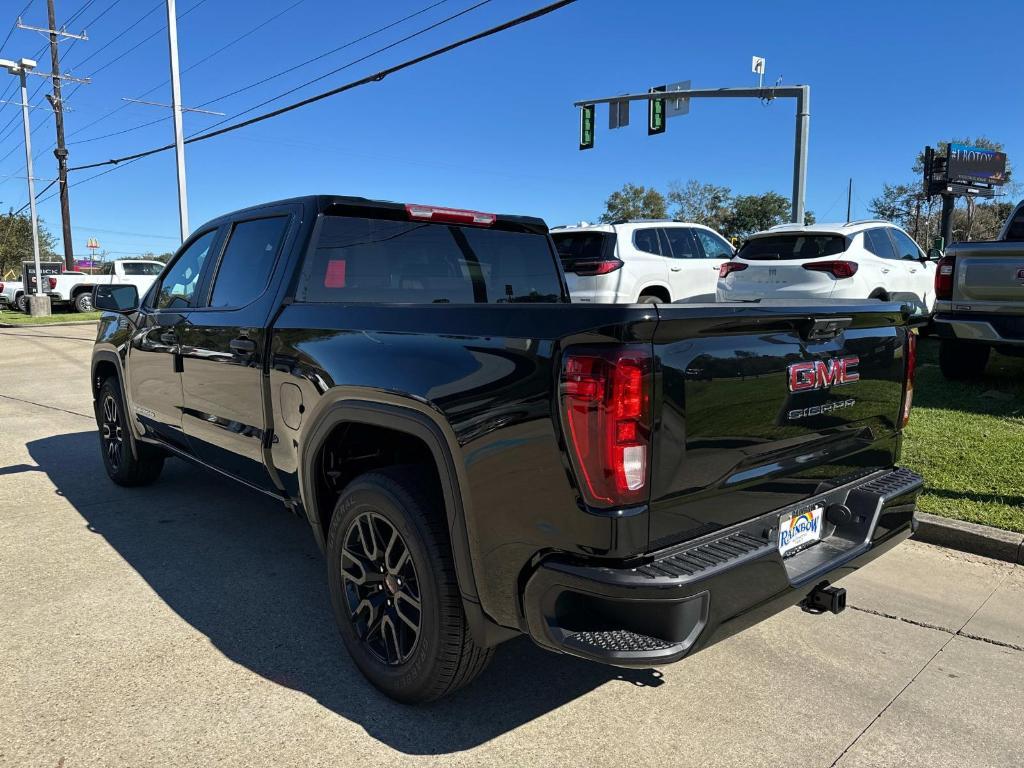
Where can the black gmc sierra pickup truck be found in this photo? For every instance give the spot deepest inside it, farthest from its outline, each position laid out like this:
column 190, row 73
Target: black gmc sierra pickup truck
column 479, row 458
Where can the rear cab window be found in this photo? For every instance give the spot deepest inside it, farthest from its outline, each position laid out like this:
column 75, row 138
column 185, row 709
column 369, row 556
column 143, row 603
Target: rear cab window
column 385, row 260
column 801, row 245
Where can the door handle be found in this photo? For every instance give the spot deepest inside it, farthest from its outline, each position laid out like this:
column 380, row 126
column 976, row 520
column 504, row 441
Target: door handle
column 168, row 337
column 913, row 271
column 676, row 269
column 885, row 271
column 243, row 346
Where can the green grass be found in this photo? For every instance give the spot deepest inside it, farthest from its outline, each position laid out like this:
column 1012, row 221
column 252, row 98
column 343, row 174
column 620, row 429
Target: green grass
column 967, row 439
column 60, row 315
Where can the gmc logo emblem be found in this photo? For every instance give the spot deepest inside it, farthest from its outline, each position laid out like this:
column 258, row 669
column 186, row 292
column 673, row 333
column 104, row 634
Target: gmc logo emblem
column 1020, row 274
column 822, row 374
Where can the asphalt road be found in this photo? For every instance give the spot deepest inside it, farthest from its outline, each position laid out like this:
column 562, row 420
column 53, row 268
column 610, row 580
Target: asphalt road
column 188, row 624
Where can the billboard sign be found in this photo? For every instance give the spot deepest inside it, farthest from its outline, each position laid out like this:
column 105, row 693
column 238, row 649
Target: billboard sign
column 975, row 165
column 28, row 273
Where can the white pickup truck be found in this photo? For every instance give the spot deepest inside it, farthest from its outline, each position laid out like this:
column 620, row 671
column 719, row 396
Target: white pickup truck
column 76, row 287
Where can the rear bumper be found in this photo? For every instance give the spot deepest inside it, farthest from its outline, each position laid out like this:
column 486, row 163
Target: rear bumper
column 1008, row 330
column 678, row 601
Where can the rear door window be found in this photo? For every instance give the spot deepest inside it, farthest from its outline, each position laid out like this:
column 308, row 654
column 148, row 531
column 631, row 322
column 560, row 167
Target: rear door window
column 248, row 260
column 684, row 246
column 877, row 242
column 646, row 240
column 1015, row 232
column 360, row 259
column 792, row 246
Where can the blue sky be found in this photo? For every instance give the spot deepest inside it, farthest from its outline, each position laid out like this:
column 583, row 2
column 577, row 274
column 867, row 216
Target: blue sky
column 492, row 126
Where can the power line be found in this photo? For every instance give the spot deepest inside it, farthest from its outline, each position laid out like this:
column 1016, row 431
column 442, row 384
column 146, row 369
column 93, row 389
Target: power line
column 121, row 162
column 14, row 26
column 251, row 85
column 372, row 78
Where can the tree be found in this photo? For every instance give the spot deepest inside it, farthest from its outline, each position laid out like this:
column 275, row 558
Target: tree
column 634, row 202
column 754, row 213
column 705, row 204
column 16, row 242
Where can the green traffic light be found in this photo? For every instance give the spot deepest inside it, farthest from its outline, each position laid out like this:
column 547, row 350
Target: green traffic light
column 587, row 114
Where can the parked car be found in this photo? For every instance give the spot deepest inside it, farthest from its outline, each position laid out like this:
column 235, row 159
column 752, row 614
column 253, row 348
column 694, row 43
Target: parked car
column 641, row 261
column 479, row 458
column 12, row 294
column 979, row 288
column 857, row 260
column 77, row 287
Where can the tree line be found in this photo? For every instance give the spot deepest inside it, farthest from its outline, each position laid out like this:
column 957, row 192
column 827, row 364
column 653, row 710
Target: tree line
column 738, row 216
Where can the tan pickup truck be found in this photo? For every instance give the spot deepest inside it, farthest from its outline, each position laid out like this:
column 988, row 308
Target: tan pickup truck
column 979, row 291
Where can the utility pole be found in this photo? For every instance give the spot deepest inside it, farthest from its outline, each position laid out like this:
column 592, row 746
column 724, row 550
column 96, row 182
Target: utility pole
column 61, row 152
column 56, row 103
column 39, row 303
column 179, row 138
column 849, row 196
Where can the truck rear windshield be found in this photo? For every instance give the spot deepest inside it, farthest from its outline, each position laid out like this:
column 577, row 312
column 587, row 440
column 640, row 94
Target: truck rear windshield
column 142, row 268
column 359, row 259
column 584, row 246
column 796, row 246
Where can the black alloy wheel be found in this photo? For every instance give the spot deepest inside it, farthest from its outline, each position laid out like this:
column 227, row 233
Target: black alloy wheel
column 112, row 432
column 381, row 588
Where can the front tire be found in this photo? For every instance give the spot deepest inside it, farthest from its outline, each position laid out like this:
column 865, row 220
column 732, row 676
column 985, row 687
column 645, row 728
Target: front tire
column 962, row 360
column 393, row 588
column 83, row 302
column 124, row 466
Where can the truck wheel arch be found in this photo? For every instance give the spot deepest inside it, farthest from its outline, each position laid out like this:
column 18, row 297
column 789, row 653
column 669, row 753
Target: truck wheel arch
column 656, row 289
column 419, row 423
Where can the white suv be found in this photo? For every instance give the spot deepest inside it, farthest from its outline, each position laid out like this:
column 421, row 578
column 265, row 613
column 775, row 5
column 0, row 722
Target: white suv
column 858, row 260
column 641, row 261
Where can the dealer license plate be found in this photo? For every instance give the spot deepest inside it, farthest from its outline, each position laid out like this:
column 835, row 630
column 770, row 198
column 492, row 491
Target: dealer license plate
column 798, row 530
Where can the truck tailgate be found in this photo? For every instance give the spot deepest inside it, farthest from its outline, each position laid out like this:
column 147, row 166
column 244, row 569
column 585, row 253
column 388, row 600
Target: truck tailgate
column 760, row 408
column 989, row 277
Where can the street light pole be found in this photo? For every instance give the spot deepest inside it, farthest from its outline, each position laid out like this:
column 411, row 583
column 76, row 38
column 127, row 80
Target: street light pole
column 179, row 139
column 39, row 303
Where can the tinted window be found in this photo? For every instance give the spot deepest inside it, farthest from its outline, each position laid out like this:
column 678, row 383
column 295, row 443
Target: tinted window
column 877, row 242
column 714, row 246
column 646, row 240
column 682, row 242
column 142, row 268
column 377, row 260
column 795, row 246
column 589, row 246
column 247, row 262
column 107, row 269
column 1015, row 231
column 179, row 284
column 906, row 248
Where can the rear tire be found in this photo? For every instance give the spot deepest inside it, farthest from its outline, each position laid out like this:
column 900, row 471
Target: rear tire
column 22, row 303
column 83, row 302
column 124, row 466
column 649, row 299
column 962, row 360
column 393, row 588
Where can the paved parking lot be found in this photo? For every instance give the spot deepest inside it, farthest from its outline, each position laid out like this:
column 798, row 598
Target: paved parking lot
column 188, row 624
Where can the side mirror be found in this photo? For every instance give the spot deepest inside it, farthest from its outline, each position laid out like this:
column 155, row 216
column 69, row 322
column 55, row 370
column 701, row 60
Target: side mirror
column 934, row 254
column 116, row 298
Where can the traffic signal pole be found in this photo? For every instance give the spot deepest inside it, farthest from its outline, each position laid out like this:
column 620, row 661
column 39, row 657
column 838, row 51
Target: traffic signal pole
column 802, row 95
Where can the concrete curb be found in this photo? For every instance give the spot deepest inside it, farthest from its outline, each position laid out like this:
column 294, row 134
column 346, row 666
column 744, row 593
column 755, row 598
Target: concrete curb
column 47, row 325
column 971, row 537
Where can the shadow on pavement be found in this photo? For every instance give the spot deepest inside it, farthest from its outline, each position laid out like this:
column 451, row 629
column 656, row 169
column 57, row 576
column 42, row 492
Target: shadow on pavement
column 241, row 570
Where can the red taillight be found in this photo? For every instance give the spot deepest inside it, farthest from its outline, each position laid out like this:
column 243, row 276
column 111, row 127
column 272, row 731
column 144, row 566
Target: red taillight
column 944, row 277
column 908, row 385
column 451, row 215
column 606, row 407
column 838, row 269
column 1, row 287
column 591, row 268
column 53, row 282
column 729, row 267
